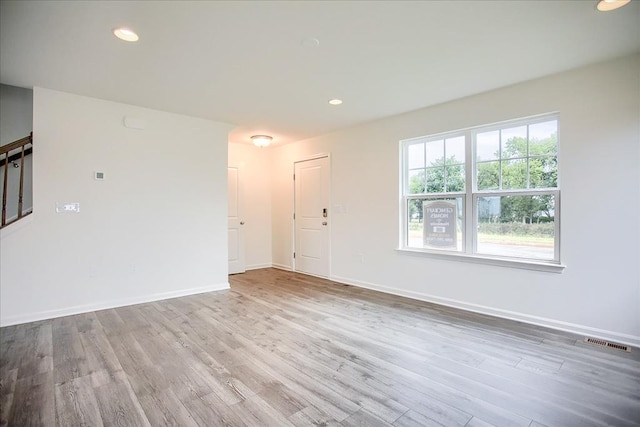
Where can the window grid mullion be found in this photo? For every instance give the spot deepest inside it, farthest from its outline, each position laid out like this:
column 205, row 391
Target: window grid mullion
column 470, row 186
column 528, row 161
column 500, row 159
column 424, row 157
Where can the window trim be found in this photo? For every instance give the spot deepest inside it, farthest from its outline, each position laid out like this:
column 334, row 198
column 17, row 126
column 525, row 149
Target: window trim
column 524, row 264
column 470, row 197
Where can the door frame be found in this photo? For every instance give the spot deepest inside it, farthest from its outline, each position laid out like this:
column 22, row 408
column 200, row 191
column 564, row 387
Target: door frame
column 239, row 167
column 293, row 222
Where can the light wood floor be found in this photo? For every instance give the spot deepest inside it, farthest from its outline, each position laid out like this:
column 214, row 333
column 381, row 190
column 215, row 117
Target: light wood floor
column 283, row 349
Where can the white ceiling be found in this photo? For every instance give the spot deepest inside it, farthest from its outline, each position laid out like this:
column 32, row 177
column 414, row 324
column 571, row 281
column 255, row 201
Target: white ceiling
column 245, row 62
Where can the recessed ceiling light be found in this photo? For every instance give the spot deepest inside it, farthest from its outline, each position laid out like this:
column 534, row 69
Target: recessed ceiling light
column 125, row 34
column 335, row 101
column 607, row 5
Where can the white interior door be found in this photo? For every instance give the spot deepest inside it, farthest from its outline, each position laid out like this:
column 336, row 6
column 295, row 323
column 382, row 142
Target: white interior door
column 311, row 216
column 236, row 222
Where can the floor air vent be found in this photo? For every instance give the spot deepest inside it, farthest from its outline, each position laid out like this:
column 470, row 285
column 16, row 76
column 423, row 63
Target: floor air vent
column 607, row 344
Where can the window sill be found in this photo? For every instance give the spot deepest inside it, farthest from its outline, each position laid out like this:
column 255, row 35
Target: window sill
column 549, row 267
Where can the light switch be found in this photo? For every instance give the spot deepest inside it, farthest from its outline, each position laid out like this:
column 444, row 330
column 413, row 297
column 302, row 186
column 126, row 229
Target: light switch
column 67, row 207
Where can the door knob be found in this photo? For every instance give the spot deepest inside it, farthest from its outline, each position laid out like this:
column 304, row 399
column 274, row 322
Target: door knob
column 324, row 222
column 241, row 222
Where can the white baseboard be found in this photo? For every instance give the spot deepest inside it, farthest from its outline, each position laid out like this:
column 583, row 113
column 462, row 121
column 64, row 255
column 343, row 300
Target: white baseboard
column 282, row 267
column 505, row 314
column 51, row 314
column 257, row 266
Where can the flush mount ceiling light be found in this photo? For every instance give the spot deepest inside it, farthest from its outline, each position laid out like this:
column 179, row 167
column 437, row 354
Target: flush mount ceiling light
column 126, row 34
column 607, row 5
column 335, row 101
column 261, row 140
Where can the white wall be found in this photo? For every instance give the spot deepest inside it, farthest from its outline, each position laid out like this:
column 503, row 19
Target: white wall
column 16, row 113
column 154, row 228
column 599, row 292
column 255, row 169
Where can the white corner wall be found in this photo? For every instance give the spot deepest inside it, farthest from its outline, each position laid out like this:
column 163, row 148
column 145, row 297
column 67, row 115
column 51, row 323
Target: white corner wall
column 154, row 228
column 599, row 292
column 255, row 170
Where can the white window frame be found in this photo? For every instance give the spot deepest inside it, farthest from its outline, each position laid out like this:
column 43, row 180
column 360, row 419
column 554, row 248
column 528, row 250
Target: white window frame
column 470, row 197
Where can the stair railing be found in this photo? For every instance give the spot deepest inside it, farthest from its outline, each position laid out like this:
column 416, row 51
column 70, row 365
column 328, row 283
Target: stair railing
column 12, row 159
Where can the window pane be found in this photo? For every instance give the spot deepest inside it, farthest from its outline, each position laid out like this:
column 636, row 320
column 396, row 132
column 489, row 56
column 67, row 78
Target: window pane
column 516, row 226
column 435, row 153
column 416, row 156
column 414, row 210
column 416, row 181
column 488, row 145
column 488, row 176
column 454, row 178
column 514, row 174
column 514, row 142
column 435, row 180
column 455, row 150
column 435, row 223
column 543, row 172
column 543, row 139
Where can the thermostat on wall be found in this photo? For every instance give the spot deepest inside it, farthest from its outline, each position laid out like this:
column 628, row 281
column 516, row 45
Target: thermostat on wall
column 98, row 176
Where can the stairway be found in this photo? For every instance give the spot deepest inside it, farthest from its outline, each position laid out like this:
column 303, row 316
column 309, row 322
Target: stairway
column 15, row 180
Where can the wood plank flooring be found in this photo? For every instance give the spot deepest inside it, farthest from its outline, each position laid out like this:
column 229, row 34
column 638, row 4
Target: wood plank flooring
column 284, row 349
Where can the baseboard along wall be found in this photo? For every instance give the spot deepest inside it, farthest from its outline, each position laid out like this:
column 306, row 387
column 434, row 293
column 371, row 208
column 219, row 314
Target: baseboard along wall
column 504, row 314
column 104, row 305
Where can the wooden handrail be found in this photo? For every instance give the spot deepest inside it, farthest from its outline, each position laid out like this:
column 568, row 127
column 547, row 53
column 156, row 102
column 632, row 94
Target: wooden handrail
column 5, row 150
column 16, row 144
